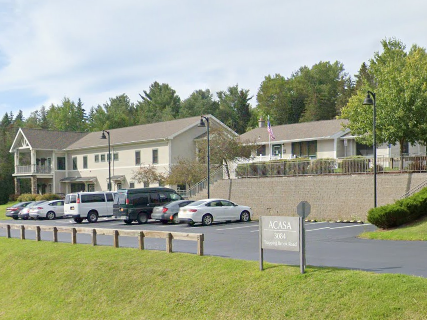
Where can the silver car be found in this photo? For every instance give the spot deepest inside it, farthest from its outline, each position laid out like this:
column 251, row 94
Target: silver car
column 49, row 210
column 169, row 211
column 24, row 214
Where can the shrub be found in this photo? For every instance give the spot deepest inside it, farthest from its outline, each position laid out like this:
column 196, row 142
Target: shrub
column 27, row 197
column 48, row 197
column 388, row 216
column 354, row 164
column 322, row 166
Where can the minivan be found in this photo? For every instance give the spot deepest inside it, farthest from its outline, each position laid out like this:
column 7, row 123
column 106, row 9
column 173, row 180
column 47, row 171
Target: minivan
column 137, row 204
column 88, row 205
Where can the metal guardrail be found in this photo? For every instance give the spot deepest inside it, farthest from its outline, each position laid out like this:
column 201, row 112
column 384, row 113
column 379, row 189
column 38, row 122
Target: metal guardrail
column 169, row 236
column 202, row 185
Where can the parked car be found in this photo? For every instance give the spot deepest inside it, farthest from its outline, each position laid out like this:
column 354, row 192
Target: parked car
column 14, row 210
column 207, row 211
column 24, row 214
column 89, row 205
column 169, row 211
column 49, row 210
column 138, row 204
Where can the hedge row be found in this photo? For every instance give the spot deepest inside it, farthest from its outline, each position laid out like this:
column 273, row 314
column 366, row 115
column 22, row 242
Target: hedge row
column 38, row 197
column 401, row 212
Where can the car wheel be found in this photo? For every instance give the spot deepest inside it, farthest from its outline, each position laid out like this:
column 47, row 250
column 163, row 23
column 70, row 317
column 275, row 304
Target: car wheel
column 175, row 219
column 164, row 221
column 15, row 218
column 245, row 216
column 142, row 218
column 92, row 216
column 190, row 224
column 128, row 221
column 207, row 220
column 78, row 220
column 50, row 215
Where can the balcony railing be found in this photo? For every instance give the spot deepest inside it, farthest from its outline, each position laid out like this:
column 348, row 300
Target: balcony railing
column 33, row 169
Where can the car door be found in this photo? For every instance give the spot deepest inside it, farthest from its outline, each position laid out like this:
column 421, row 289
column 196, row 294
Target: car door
column 229, row 210
column 57, row 207
column 216, row 210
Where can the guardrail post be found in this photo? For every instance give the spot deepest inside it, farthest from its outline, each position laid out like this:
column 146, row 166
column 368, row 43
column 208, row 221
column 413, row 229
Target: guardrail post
column 94, row 237
column 8, row 230
column 169, row 242
column 200, row 239
column 141, row 240
column 55, row 234
column 22, row 232
column 38, row 233
column 116, row 238
column 73, row 236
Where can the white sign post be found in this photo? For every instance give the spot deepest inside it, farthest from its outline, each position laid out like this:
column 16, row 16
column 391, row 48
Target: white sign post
column 303, row 210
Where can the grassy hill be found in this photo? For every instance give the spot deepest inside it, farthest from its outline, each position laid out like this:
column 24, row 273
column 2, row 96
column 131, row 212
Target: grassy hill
column 46, row 280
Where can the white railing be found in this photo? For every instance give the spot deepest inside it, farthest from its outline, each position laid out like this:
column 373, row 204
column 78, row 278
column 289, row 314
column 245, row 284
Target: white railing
column 33, row 169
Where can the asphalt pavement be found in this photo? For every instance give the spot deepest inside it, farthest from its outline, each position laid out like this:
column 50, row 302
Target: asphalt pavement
column 327, row 244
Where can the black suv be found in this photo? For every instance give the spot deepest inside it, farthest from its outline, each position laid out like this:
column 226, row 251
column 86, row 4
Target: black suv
column 137, row 204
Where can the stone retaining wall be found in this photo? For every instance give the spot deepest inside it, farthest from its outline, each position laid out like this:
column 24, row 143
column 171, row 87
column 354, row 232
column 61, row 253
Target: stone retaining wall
column 332, row 197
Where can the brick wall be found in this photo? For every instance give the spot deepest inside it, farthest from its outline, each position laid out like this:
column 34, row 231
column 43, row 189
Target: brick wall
column 340, row 197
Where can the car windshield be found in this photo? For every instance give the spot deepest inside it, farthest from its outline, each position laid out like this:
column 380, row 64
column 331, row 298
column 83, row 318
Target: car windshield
column 120, row 198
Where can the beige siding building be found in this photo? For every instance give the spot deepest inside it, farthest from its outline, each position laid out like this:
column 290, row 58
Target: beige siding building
column 64, row 162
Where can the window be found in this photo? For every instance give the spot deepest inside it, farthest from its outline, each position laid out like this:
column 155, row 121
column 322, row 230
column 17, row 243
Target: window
column 131, row 185
column 95, row 197
column 84, row 162
column 137, row 157
column 305, row 149
column 261, row 151
column 146, row 184
column 60, row 163
column 77, row 187
column 102, row 157
column 91, row 187
column 116, row 156
column 364, row 150
column 277, row 149
column 110, row 197
column 155, row 156
column 74, row 163
column 119, row 186
column 96, row 157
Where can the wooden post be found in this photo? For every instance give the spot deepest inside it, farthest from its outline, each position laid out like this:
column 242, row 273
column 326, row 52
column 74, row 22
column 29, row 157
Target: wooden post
column 55, row 234
column 116, row 238
column 8, row 230
column 141, row 240
column 200, row 239
column 22, row 232
column 94, row 237
column 169, row 242
column 38, row 233
column 73, row 236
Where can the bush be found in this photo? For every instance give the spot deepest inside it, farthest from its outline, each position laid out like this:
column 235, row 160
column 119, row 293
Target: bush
column 388, row 216
column 354, row 164
column 27, row 197
column 48, row 197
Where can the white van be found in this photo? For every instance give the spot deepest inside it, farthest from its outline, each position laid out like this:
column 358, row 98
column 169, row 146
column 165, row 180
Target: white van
column 88, row 205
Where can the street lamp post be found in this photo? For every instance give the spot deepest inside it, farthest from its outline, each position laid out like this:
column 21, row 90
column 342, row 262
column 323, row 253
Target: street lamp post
column 371, row 102
column 202, row 124
column 109, row 156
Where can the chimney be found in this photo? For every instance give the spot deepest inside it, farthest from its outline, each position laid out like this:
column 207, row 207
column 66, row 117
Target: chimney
column 261, row 123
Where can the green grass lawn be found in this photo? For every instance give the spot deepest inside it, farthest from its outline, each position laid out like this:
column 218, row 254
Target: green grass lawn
column 46, row 280
column 411, row 232
column 3, row 210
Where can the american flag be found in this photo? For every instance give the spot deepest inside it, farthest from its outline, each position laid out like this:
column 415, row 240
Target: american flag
column 269, row 129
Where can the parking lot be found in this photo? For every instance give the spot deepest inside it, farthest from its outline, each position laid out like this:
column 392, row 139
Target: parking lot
column 327, row 244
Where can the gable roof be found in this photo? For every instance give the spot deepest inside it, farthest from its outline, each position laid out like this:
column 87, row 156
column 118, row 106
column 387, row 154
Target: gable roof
column 316, row 130
column 47, row 139
column 140, row 133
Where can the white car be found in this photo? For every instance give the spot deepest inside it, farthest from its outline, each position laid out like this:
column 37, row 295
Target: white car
column 49, row 210
column 207, row 211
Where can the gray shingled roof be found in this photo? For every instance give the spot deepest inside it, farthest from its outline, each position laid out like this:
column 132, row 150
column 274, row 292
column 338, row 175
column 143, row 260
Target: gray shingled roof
column 298, row 131
column 51, row 140
column 145, row 132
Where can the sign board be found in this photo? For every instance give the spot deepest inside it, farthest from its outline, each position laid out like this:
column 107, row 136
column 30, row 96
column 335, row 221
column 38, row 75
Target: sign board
column 279, row 233
column 303, row 209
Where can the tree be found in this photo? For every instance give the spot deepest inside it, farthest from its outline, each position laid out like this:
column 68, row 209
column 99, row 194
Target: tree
column 200, row 102
column 234, row 108
column 187, row 172
column 118, row 112
column 399, row 80
column 160, row 103
column 67, row 116
column 148, row 174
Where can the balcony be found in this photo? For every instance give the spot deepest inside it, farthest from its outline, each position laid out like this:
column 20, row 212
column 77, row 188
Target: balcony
column 33, row 169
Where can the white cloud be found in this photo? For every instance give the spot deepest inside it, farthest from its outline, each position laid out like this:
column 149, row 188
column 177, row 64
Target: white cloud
column 97, row 49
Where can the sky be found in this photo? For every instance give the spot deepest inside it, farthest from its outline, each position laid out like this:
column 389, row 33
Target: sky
column 98, row 49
